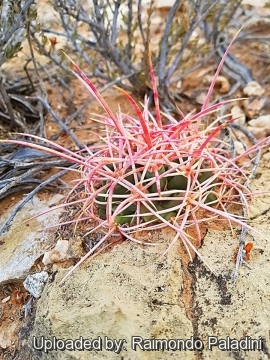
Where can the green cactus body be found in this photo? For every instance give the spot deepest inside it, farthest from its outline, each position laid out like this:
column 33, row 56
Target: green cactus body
column 102, row 212
column 111, row 167
column 122, row 219
column 101, row 199
column 203, row 176
column 144, row 210
column 130, row 178
column 169, row 215
column 211, row 198
column 168, row 204
column 177, row 182
column 151, row 175
column 131, row 209
column 158, row 207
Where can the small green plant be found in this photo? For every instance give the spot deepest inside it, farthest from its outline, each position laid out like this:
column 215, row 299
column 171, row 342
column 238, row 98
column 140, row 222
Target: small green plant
column 145, row 175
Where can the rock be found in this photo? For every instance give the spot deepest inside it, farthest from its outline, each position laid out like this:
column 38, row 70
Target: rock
column 25, row 242
column 5, row 338
column 261, row 122
column 255, row 3
column 222, row 82
column 239, row 147
column 65, row 250
column 163, row 3
column 76, row 247
column 260, row 127
column 128, row 291
column 222, row 308
column 58, row 254
column 6, row 299
column 253, row 89
column 34, row 283
column 255, row 106
column 259, row 133
column 158, row 3
column 239, row 115
column 200, row 98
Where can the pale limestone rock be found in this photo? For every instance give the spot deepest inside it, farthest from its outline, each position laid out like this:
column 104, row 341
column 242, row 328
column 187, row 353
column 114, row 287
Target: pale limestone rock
column 262, row 121
column 57, row 254
column 34, row 283
column 6, row 299
column 255, row 3
column 259, row 133
column 128, row 291
column 221, row 81
column 260, row 127
column 253, row 89
column 239, row 147
column 257, row 105
column 25, row 242
column 5, row 338
column 200, row 98
column 239, row 115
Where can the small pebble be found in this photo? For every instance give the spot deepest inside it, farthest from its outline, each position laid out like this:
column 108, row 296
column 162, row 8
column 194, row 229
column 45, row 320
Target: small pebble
column 253, row 89
column 6, row 299
column 201, row 98
column 221, row 81
column 259, row 133
column 239, row 115
column 58, row 254
column 35, row 283
column 239, row 147
column 262, row 121
column 256, row 105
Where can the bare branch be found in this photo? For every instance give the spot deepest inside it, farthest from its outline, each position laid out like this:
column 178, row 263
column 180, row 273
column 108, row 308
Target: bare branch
column 60, row 122
column 18, row 23
column 21, row 204
column 164, row 43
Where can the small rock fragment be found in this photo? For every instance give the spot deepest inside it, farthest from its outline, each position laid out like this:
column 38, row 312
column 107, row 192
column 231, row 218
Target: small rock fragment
column 34, row 284
column 58, row 254
column 6, row 299
column 253, row 89
column 201, row 98
column 261, row 122
column 179, row 84
column 239, row 115
column 75, row 248
column 161, row 3
column 222, row 82
column 24, row 243
column 258, row 105
column 260, row 127
column 259, row 133
column 239, row 147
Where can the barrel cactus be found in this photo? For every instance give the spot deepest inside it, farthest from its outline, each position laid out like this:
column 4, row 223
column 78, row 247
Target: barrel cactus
column 153, row 171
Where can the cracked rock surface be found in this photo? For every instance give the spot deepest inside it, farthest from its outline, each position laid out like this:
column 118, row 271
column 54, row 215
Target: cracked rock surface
column 131, row 291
